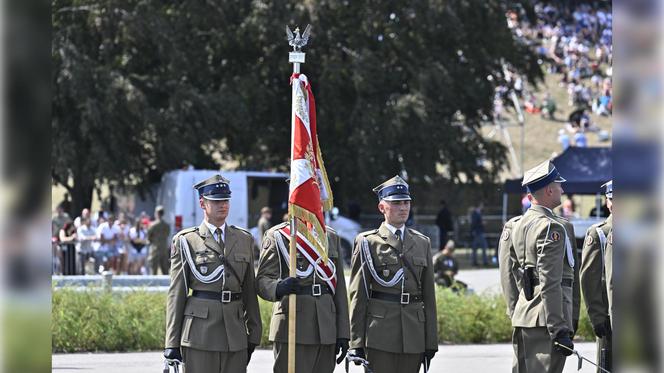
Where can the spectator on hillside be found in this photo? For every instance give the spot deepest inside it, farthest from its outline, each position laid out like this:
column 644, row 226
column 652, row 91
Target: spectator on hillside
column 563, row 139
column 580, row 139
column 549, row 107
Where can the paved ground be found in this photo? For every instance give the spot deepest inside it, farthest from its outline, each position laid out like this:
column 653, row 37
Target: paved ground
column 481, row 280
column 458, row 359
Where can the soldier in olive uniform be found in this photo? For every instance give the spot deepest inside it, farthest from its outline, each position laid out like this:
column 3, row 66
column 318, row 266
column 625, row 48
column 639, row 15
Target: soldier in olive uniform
column 509, row 274
column 158, row 233
column 593, row 282
column 541, row 265
column 322, row 324
column 216, row 327
column 393, row 305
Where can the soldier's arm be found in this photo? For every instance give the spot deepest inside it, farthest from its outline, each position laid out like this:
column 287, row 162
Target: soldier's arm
column 267, row 276
column 341, row 297
column 150, row 233
column 176, row 298
column 576, row 290
column 591, row 278
column 429, row 295
column 550, row 256
column 358, row 299
column 505, row 265
column 252, row 310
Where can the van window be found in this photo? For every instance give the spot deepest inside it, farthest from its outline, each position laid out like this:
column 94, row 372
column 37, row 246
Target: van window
column 267, row 191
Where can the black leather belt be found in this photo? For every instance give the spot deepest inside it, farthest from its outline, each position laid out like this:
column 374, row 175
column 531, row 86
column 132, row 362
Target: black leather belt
column 404, row 298
column 225, row 296
column 566, row 282
column 315, row 290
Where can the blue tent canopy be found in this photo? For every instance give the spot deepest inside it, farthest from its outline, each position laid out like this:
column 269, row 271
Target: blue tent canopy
column 585, row 170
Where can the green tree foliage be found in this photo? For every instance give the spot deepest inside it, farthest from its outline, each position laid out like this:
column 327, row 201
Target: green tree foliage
column 142, row 87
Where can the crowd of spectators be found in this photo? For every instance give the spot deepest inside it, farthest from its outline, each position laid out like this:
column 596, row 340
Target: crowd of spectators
column 573, row 44
column 94, row 243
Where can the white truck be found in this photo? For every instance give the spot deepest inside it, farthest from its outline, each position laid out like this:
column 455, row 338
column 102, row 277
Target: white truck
column 251, row 190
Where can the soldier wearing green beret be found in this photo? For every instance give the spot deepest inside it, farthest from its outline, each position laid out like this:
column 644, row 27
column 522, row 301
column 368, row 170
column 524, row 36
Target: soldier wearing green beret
column 393, row 306
column 215, row 327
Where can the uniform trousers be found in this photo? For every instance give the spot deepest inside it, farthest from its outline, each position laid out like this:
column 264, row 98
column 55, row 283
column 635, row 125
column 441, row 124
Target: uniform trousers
column 534, row 352
column 201, row 361
column 388, row 362
column 308, row 358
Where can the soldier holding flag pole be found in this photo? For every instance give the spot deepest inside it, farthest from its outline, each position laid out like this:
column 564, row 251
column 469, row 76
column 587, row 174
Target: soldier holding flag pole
column 300, row 267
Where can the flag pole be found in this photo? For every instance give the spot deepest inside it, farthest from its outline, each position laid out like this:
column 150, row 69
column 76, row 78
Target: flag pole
column 296, row 57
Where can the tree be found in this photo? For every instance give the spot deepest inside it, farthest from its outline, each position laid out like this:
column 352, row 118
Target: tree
column 141, row 88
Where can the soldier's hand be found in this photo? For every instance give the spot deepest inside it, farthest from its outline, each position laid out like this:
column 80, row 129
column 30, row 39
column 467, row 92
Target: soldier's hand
column 342, row 349
column 172, row 355
column 563, row 338
column 428, row 356
column 289, row 285
column 357, row 352
column 250, row 350
column 602, row 330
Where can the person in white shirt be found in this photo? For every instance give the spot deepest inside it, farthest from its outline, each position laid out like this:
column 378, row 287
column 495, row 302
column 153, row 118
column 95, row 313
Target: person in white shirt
column 86, row 235
column 107, row 254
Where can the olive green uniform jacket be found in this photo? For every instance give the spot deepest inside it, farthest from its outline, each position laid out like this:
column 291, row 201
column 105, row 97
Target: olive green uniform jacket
column 320, row 319
column 387, row 325
column 206, row 324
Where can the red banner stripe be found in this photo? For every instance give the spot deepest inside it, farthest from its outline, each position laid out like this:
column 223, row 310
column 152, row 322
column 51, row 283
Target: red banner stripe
column 312, row 253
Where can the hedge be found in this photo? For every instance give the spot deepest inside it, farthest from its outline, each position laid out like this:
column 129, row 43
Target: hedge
column 94, row 320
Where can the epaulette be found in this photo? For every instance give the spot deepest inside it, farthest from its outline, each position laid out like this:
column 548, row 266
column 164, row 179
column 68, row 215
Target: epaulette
column 242, row 230
column 413, row 231
column 278, row 226
column 368, row 233
column 186, row 230
column 515, row 219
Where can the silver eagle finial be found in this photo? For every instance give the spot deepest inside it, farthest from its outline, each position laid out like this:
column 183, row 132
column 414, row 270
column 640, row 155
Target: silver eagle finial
column 297, row 41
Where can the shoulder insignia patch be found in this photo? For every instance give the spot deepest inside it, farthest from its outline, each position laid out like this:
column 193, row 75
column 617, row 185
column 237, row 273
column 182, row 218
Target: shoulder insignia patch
column 506, row 235
column 555, row 236
column 589, row 240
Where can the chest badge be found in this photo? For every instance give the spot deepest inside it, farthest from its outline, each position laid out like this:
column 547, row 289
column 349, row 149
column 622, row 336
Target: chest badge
column 555, row 236
column 386, row 272
column 204, row 269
